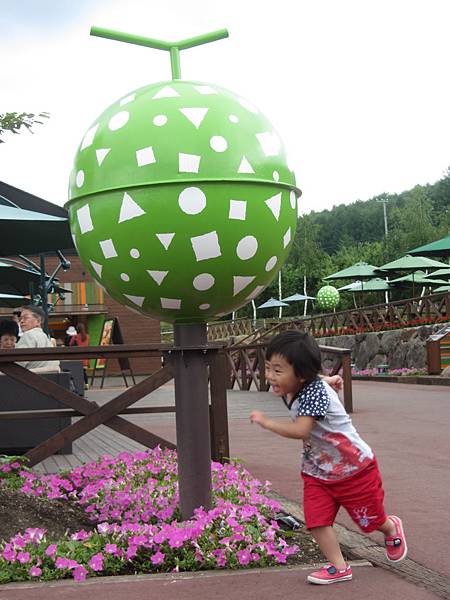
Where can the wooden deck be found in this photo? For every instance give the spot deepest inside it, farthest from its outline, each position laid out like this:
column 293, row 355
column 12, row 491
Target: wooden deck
column 103, row 440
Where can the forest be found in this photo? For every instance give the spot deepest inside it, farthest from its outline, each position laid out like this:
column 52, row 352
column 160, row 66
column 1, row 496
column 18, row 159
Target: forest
column 331, row 240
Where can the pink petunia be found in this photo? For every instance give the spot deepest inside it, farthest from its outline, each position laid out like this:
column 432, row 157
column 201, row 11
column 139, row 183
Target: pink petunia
column 244, row 557
column 79, row 574
column 158, row 558
column 23, row 557
column 51, row 550
column 35, row 571
column 96, row 562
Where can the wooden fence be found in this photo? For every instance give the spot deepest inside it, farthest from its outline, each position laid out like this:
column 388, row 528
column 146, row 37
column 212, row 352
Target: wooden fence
column 247, row 367
column 413, row 312
column 94, row 415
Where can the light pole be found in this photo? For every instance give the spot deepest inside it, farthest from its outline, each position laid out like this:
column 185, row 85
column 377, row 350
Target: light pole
column 384, row 201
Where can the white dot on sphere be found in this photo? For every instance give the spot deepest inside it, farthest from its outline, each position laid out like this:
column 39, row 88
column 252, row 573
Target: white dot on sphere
column 124, row 277
column 204, row 306
column 203, row 282
column 292, row 199
column 80, row 178
column 276, row 176
column 218, row 143
column 233, row 119
column 192, row 200
column 271, row 263
column 247, row 247
column 160, row 120
column 134, row 253
column 118, row 120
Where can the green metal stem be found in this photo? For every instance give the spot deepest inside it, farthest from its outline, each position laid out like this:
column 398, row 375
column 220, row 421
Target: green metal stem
column 173, row 47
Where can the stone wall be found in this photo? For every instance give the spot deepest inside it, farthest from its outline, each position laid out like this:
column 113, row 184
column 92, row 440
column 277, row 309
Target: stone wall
column 399, row 348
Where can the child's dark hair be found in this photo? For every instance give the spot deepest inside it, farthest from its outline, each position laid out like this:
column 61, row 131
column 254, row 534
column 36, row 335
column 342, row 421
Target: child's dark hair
column 300, row 350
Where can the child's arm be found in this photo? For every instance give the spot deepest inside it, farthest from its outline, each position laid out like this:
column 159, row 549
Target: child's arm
column 334, row 381
column 298, row 429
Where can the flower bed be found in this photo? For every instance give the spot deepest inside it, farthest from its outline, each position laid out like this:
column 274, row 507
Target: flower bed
column 132, row 500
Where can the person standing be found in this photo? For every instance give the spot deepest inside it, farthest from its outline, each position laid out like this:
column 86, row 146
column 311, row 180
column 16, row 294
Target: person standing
column 81, row 339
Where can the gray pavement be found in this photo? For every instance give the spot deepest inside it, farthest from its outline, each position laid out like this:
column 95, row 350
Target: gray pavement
column 407, row 425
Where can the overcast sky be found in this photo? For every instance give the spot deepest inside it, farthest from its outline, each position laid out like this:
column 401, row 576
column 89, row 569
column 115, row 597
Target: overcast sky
column 358, row 89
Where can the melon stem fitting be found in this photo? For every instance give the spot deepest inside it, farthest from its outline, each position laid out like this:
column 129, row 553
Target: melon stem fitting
column 172, row 47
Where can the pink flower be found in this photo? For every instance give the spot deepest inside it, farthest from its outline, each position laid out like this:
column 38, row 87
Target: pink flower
column 158, row 558
column 23, row 557
column 35, row 572
column 51, row 550
column 96, row 562
column 244, row 557
column 110, row 548
column 79, row 574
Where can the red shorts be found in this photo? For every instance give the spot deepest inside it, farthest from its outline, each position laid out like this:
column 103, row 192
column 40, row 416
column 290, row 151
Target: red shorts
column 361, row 495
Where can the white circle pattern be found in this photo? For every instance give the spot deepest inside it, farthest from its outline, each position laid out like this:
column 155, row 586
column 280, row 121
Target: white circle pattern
column 119, row 120
column 218, row 143
column 247, row 247
column 159, row 120
column 192, row 200
column 271, row 263
column 203, row 282
column 134, row 253
column 80, row 178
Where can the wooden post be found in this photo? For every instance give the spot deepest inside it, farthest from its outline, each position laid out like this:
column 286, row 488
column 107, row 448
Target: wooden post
column 218, row 372
column 192, row 419
column 347, row 377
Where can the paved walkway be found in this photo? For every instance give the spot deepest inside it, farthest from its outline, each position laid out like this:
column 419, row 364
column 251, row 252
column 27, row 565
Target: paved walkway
column 407, row 425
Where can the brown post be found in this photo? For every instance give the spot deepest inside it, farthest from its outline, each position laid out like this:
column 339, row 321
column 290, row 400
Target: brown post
column 262, row 370
column 433, row 357
column 347, row 377
column 192, row 418
column 218, row 373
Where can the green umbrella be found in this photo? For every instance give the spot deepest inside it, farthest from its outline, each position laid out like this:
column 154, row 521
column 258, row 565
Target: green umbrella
column 273, row 303
column 418, row 277
column 17, row 280
column 442, row 273
column 13, row 300
column 443, row 288
column 438, row 248
column 359, row 270
column 298, row 298
column 412, row 263
column 373, row 285
column 28, row 232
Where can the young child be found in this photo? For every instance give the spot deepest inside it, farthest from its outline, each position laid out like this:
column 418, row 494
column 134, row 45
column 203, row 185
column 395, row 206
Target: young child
column 339, row 468
column 8, row 334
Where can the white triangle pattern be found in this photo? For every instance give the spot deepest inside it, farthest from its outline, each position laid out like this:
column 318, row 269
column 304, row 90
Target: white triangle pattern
column 129, row 209
column 274, row 203
column 245, row 166
column 97, row 268
column 101, row 154
column 166, row 92
column 157, row 276
column 138, row 300
column 240, row 282
column 194, row 115
column 165, row 239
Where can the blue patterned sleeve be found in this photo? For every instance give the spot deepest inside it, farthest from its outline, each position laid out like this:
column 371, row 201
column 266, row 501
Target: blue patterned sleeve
column 313, row 400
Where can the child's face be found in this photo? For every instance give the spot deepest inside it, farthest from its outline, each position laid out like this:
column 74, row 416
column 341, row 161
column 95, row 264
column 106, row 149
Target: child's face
column 281, row 376
column 7, row 341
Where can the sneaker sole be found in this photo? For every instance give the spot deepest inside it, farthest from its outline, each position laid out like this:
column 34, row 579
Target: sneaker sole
column 328, row 581
column 405, row 551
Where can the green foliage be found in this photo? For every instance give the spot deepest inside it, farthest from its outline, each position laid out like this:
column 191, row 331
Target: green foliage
column 13, row 122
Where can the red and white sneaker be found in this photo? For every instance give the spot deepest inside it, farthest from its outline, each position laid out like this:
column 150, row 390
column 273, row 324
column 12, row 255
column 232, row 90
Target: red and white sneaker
column 330, row 574
column 396, row 548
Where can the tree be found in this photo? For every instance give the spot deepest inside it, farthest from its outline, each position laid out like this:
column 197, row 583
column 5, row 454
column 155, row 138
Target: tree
column 13, row 122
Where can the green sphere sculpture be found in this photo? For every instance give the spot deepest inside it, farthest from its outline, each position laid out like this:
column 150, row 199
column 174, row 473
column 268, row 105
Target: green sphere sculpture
column 327, row 297
column 181, row 202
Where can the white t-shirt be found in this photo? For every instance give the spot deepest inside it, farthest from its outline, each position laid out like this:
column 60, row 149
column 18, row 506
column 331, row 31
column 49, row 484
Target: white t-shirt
column 334, row 449
column 36, row 338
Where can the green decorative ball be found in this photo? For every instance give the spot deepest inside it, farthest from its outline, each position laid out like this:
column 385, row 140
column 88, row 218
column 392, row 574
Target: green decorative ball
column 327, row 298
column 181, row 202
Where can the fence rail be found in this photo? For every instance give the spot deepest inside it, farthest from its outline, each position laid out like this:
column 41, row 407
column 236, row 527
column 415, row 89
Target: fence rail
column 246, row 364
column 420, row 310
column 110, row 413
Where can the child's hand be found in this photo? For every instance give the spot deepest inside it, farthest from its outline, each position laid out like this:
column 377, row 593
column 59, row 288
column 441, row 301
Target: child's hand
column 335, row 381
column 256, row 416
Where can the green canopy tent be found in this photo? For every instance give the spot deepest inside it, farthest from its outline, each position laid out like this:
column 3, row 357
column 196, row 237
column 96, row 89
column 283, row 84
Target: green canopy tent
column 372, row 285
column 443, row 288
column 360, row 271
column 438, row 248
column 441, row 273
column 299, row 298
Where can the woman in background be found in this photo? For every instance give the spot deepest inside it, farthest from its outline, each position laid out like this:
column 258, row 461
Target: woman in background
column 82, row 339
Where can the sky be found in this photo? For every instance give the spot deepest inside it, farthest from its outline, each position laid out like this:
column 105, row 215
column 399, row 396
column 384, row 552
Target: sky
column 357, row 89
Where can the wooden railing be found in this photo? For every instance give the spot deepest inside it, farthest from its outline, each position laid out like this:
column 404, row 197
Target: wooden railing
column 94, row 415
column 246, row 364
column 413, row 312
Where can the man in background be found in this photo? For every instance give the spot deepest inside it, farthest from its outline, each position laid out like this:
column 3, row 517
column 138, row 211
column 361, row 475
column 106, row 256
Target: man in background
column 31, row 319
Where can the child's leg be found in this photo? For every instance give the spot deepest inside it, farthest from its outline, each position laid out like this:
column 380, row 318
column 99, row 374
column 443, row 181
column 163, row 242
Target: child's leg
column 329, row 545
